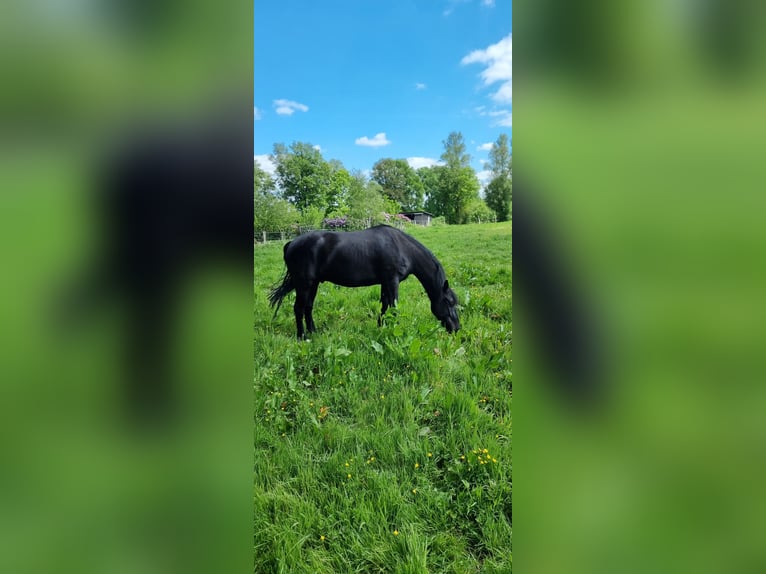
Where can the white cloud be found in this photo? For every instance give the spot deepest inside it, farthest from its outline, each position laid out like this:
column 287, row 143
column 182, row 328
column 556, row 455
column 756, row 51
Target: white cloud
column 289, row 107
column 418, row 162
column 377, row 141
column 505, row 94
column 420, row 86
column 490, row 3
column 498, row 62
column 265, row 163
column 485, row 146
column 504, row 118
column 257, row 113
column 484, row 176
column 318, row 147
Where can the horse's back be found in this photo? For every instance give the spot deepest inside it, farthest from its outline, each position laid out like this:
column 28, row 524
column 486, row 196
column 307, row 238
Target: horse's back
column 351, row 259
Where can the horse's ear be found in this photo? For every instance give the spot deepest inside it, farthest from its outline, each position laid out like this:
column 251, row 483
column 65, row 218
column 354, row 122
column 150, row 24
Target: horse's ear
column 446, row 286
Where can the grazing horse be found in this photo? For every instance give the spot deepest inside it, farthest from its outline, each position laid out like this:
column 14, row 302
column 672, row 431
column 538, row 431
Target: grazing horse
column 380, row 255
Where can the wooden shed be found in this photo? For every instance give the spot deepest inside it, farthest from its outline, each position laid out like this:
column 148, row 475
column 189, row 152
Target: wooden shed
column 419, row 217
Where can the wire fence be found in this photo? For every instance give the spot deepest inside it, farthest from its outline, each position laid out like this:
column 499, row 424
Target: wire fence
column 264, row 236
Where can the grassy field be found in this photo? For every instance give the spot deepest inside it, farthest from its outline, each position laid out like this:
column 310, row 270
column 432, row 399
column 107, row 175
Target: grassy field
column 387, row 449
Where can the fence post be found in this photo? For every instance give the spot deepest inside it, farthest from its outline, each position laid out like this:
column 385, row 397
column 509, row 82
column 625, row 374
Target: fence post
column 264, row 236
column 282, row 235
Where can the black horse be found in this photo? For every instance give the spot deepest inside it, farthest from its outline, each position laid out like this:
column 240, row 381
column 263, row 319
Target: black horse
column 380, row 255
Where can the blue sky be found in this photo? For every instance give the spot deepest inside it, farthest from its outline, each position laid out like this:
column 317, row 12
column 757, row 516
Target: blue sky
column 368, row 79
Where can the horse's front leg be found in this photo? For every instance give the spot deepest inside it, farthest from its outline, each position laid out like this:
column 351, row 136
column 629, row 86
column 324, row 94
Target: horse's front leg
column 389, row 293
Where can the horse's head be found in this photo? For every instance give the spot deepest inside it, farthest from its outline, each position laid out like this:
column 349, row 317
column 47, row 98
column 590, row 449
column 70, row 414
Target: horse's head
column 444, row 307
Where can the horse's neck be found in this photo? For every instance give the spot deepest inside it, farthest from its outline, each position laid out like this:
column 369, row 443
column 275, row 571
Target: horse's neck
column 429, row 277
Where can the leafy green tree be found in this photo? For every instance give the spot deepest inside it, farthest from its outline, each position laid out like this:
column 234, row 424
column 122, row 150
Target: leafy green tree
column 452, row 186
column 499, row 196
column 499, row 192
column 262, row 181
column 365, row 199
column 477, row 211
column 431, row 178
column 455, row 155
column 399, row 182
column 305, row 179
column 311, row 217
column 500, row 158
column 338, row 190
column 272, row 213
column 459, row 187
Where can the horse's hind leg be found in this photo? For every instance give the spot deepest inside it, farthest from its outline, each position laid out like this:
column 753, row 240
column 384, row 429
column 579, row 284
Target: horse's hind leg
column 299, row 308
column 312, row 293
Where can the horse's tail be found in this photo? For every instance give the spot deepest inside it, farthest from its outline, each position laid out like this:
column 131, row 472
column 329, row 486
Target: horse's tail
column 281, row 290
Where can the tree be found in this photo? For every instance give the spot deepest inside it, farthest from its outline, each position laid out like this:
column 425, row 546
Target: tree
column 477, row 211
column 262, row 181
column 500, row 158
column 338, row 190
column 454, row 155
column 453, row 186
column 272, row 213
column 303, row 175
column 499, row 192
column 458, row 187
column 399, row 182
column 499, row 196
column 431, row 178
column 365, row 199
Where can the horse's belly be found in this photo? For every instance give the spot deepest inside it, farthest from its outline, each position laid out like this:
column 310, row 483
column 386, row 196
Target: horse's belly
column 351, row 281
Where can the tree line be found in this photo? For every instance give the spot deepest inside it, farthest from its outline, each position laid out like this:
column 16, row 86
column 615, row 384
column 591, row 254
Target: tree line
column 306, row 188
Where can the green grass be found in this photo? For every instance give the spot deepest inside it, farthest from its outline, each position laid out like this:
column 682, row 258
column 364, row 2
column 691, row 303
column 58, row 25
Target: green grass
column 387, row 449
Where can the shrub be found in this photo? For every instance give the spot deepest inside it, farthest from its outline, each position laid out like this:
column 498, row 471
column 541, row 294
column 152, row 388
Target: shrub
column 335, row 222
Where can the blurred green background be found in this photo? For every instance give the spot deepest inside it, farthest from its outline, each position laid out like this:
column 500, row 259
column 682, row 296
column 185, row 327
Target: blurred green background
column 640, row 128
column 81, row 489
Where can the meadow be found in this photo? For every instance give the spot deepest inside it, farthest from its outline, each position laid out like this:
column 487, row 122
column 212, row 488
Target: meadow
column 387, row 449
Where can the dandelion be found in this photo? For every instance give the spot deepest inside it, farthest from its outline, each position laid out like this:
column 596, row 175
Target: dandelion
column 322, row 538
column 348, row 476
column 346, row 464
column 382, row 396
column 430, row 455
column 396, row 533
column 462, row 457
column 414, row 491
column 417, row 465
